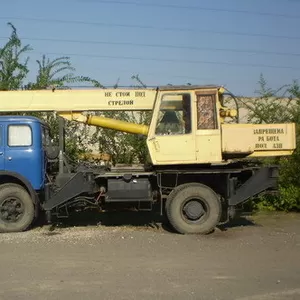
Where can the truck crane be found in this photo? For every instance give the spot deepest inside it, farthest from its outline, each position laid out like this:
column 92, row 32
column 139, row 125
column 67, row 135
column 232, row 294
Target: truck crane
column 199, row 168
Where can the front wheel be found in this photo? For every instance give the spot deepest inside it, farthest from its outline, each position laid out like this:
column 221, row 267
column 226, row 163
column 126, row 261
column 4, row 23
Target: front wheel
column 193, row 208
column 16, row 208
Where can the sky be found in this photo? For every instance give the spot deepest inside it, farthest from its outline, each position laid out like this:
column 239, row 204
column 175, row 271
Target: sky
column 222, row 42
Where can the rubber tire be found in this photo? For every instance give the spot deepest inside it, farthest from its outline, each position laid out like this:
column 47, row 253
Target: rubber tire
column 179, row 195
column 15, row 190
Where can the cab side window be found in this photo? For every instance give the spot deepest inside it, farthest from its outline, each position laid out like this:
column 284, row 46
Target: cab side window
column 206, row 112
column 19, row 136
column 174, row 115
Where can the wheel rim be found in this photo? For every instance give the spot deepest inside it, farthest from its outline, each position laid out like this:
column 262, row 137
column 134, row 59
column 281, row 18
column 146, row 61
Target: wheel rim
column 194, row 210
column 11, row 210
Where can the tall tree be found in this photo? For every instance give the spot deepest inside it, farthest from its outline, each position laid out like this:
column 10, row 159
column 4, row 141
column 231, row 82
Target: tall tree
column 57, row 73
column 50, row 73
column 13, row 70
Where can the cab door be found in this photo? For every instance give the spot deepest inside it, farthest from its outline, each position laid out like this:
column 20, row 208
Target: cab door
column 208, row 133
column 20, row 153
column 171, row 139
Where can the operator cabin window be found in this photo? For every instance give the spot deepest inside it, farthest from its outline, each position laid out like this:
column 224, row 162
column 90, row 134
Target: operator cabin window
column 206, row 112
column 175, row 115
column 19, row 136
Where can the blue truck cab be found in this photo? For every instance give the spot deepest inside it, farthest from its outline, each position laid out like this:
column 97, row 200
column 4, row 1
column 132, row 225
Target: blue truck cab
column 22, row 149
column 23, row 163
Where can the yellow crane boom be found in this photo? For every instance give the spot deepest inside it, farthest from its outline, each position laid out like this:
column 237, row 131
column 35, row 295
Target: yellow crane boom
column 70, row 103
column 78, row 100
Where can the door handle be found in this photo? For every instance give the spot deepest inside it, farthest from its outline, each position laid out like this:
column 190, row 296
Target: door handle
column 1, row 153
column 9, row 158
column 156, row 145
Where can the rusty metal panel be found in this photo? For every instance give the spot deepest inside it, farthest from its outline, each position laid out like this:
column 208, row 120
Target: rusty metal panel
column 206, row 114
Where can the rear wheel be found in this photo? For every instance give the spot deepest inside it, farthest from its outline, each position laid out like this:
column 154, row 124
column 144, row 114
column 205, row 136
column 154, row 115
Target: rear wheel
column 17, row 210
column 193, row 208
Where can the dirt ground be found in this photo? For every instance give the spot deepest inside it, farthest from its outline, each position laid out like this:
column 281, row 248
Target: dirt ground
column 253, row 259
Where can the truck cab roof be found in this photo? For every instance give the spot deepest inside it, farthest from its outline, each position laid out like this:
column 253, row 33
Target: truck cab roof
column 188, row 87
column 17, row 119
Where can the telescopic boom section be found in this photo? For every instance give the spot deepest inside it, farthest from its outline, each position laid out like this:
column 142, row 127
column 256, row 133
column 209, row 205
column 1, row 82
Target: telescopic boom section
column 70, row 103
column 106, row 123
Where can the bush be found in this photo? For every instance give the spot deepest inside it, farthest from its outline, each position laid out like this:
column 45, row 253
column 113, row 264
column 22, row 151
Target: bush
column 270, row 107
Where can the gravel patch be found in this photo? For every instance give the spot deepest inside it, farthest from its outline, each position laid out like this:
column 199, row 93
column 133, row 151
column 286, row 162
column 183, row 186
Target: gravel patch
column 73, row 234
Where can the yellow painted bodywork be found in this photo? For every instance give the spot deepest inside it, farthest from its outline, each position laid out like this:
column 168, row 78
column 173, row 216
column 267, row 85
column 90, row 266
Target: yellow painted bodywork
column 211, row 145
column 258, row 139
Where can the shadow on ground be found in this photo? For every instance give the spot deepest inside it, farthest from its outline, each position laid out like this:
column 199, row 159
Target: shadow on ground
column 239, row 221
column 143, row 219
column 139, row 219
